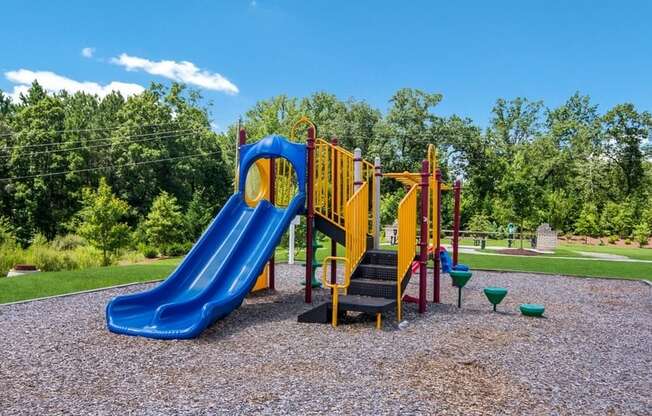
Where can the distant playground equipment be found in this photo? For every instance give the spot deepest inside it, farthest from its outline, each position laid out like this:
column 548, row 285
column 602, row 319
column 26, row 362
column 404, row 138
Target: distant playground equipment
column 339, row 194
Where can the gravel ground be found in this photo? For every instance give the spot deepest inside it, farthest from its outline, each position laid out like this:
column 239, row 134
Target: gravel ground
column 592, row 354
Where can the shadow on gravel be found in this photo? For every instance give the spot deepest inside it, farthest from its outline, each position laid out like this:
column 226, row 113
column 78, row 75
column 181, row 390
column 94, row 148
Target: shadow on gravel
column 257, row 309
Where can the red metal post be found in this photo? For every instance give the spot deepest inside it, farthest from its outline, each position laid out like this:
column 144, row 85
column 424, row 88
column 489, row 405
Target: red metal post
column 310, row 211
column 272, row 199
column 242, row 140
column 423, row 238
column 334, row 193
column 242, row 136
column 457, row 190
column 436, row 290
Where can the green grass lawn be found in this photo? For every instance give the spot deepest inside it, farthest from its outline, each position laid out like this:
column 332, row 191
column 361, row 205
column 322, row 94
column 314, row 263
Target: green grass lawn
column 586, row 268
column 571, row 249
column 632, row 252
column 541, row 264
column 57, row 283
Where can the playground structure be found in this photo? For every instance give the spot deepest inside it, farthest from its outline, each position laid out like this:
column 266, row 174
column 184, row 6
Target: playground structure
column 339, row 194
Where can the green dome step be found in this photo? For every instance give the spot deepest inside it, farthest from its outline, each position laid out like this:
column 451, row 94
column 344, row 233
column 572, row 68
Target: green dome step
column 531, row 309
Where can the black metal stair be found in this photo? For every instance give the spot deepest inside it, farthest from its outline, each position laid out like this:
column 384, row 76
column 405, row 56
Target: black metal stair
column 366, row 304
column 372, row 289
column 335, row 232
column 331, row 230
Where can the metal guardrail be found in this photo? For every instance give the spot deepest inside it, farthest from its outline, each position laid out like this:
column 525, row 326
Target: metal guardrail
column 356, row 218
column 407, row 238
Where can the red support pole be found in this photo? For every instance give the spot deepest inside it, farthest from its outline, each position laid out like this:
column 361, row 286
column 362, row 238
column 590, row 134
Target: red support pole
column 310, row 211
column 423, row 238
column 334, row 193
column 272, row 199
column 242, row 136
column 436, row 290
column 457, row 190
column 242, row 140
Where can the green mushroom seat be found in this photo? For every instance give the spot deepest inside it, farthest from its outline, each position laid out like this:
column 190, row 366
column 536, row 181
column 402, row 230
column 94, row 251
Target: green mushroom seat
column 460, row 278
column 495, row 295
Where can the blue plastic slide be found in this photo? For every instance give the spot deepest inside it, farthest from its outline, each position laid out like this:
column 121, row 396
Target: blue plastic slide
column 222, row 267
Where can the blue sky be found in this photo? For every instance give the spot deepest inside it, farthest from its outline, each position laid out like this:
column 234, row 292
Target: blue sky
column 241, row 51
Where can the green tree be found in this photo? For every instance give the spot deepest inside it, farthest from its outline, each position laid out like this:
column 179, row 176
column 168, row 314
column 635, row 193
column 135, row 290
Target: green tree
column 408, row 128
column 102, row 220
column 642, row 233
column 199, row 214
column 609, row 219
column 517, row 121
column 587, row 222
column 164, row 225
column 522, row 194
column 389, row 206
column 626, row 130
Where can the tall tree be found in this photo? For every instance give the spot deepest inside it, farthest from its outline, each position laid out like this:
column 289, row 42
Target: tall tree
column 625, row 132
column 103, row 220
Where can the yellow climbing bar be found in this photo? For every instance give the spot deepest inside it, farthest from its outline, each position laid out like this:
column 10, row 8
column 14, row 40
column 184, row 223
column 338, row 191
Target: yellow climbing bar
column 406, row 178
column 336, row 287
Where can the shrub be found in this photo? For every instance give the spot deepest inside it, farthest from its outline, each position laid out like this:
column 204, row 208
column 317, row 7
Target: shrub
column 132, row 256
column 177, row 249
column 642, row 234
column 48, row 259
column 6, row 232
column 480, row 224
column 613, row 239
column 39, row 240
column 68, row 242
column 148, row 251
column 628, row 241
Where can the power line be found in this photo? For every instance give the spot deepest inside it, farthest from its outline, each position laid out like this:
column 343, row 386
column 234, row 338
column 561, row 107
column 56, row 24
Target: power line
column 81, row 130
column 146, row 162
column 169, row 136
column 28, row 146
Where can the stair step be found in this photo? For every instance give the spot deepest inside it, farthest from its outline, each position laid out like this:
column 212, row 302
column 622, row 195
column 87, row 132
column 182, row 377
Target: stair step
column 320, row 314
column 365, row 304
column 375, row 271
column 381, row 257
column 373, row 287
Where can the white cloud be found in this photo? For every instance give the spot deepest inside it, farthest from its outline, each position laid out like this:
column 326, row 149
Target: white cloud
column 87, row 52
column 52, row 82
column 183, row 71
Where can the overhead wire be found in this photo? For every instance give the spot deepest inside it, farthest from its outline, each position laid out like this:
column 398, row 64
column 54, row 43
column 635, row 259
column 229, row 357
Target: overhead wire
column 109, row 167
column 22, row 132
column 28, row 146
column 118, row 142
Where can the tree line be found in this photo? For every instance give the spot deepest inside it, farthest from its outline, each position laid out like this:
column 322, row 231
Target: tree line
column 581, row 170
